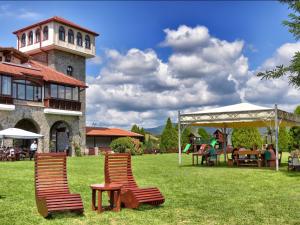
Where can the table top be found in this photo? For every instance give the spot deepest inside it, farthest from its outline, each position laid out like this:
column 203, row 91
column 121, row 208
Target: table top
column 106, row 187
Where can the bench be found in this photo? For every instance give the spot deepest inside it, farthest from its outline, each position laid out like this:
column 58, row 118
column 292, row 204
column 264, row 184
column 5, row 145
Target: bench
column 247, row 159
column 52, row 192
column 118, row 171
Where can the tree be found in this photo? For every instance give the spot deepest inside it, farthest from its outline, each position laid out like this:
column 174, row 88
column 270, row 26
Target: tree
column 246, row 137
column 169, row 138
column 295, row 132
column 283, row 139
column 135, row 128
column 292, row 70
column 204, row 135
column 185, row 136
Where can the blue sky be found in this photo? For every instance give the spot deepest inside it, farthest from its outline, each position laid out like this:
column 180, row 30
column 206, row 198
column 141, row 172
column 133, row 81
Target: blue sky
column 254, row 30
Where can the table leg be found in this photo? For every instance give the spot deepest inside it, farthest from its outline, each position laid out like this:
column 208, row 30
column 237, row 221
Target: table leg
column 193, row 159
column 197, row 160
column 93, row 199
column 100, row 201
column 118, row 201
column 111, row 199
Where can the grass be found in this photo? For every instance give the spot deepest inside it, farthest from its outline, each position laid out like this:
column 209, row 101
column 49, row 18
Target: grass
column 194, row 195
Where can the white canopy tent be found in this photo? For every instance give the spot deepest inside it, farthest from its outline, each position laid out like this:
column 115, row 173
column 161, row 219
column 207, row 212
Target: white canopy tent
column 16, row 133
column 238, row 115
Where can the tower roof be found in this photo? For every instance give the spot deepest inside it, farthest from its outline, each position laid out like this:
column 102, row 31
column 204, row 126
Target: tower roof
column 59, row 20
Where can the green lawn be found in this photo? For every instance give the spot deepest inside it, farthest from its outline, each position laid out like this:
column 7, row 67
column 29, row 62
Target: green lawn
column 194, row 195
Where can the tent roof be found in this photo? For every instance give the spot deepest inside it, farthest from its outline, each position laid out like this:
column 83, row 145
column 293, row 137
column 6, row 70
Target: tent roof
column 16, row 133
column 239, row 115
column 241, row 107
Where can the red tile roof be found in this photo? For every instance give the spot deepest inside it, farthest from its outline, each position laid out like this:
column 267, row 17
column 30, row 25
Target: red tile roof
column 59, row 20
column 103, row 131
column 51, row 75
column 39, row 71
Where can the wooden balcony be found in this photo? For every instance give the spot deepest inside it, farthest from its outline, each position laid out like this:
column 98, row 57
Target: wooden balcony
column 6, row 100
column 62, row 104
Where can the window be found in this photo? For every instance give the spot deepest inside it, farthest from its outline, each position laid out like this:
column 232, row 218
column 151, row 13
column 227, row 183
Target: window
column 79, row 39
column 45, row 33
column 27, row 90
column 53, row 90
column 61, row 33
column 5, row 85
column 8, row 58
column 64, row 92
column 70, row 71
column 21, row 91
column 23, row 40
column 61, row 92
column 30, row 38
column 71, row 36
column 75, row 94
column 87, row 42
column 37, row 35
column 68, row 93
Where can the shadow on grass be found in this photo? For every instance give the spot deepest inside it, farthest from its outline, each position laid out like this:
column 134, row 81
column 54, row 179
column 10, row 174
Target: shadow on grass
column 63, row 215
column 146, row 207
column 2, row 196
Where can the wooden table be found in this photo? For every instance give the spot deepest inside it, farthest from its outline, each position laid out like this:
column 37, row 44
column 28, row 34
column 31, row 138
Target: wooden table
column 114, row 195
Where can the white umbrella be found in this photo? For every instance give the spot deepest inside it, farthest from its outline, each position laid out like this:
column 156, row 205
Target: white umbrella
column 16, row 133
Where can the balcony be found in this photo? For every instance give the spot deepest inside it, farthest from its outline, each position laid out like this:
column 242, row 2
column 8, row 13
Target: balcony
column 6, row 103
column 8, row 100
column 62, row 104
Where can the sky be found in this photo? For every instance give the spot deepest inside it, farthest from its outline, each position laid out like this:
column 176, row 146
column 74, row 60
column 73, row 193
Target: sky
column 154, row 58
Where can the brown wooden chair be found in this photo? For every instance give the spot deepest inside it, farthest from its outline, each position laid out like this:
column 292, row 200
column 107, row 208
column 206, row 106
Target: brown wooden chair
column 118, row 170
column 52, row 193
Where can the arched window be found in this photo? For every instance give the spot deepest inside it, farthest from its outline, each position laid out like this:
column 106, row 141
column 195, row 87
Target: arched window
column 30, row 38
column 70, row 70
column 79, row 39
column 61, row 33
column 87, row 42
column 37, row 35
column 23, row 40
column 71, row 36
column 45, row 33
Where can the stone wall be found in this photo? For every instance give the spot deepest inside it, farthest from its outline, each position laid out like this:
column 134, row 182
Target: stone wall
column 43, row 123
column 60, row 60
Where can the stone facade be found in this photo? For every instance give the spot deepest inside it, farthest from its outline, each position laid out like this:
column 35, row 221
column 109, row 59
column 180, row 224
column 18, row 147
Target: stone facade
column 43, row 123
column 60, row 60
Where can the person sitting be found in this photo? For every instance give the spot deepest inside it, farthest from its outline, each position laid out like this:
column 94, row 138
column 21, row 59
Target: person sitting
column 12, row 154
column 212, row 156
column 270, row 156
column 234, row 154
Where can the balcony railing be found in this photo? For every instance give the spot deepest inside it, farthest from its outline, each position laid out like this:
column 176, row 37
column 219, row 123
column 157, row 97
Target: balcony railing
column 6, row 100
column 62, row 104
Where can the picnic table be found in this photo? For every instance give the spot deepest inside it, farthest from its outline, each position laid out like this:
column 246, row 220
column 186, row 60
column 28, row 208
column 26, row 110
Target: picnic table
column 247, row 158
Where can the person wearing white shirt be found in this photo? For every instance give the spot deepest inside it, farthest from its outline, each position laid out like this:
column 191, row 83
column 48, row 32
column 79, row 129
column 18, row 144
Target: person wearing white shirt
column 33, row 149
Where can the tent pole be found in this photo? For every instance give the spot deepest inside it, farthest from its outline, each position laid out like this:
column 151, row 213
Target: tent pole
column 276, row 136
column 225, row 144
column 179, row 138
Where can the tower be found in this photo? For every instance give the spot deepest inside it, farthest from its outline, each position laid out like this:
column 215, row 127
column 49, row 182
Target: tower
column 63, row 46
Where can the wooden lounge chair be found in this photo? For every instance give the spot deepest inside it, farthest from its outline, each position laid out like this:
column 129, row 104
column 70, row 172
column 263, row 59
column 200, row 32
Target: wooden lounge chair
column 52, row 193
column 118, row 170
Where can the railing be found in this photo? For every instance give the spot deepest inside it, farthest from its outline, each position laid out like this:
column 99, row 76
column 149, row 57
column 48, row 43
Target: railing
column 62, row 104
column 6, row 100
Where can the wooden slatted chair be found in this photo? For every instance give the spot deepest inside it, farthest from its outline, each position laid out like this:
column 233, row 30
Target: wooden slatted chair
column 118, row 170
column 51, row 185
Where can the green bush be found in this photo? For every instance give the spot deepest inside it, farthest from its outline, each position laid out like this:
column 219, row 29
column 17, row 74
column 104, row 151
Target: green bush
column 126, row 144
column 77, row 150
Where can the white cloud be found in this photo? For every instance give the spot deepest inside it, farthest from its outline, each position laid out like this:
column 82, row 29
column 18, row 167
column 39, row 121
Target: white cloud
column 7, row 11
column 97, row 60
column 273, row 91
column 138, row 87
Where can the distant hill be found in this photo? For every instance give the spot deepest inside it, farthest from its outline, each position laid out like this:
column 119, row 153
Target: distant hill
column 159, row 129
column 155, row 130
